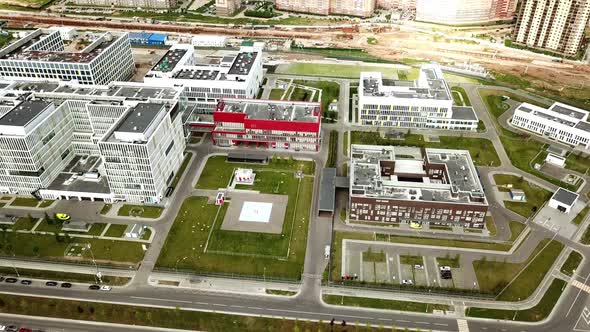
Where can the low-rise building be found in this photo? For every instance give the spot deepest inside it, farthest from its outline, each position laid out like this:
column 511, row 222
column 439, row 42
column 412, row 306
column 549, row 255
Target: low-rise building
column 208, row 41
column 163, row 4
column 41, row 54
column 561, row 122
column 563, row 200
column 392, row 185
column 273, row 124
column 424, row 103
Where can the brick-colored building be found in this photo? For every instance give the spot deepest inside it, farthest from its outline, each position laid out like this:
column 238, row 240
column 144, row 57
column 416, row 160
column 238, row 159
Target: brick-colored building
column 227, row 7
column 394, row 185
column 362, row 8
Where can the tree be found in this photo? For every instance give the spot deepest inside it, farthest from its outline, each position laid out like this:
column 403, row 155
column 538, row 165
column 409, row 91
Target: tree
column 36, row 250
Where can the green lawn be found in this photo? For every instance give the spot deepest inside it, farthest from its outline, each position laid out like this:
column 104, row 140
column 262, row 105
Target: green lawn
column 534, row 314
column 586, row 237
column 25, row 201
column 54, row 247
column 365, row 302
column 333, row 149
column 493, row 100
column 579, row 163
column 96, row 229
column 535, row 195
column 158, row 317
column 490, row 225
column 460, row 91
column 482, row 150
column 106, row 208
column 236, row 250
column 143, row 211
column 279, row 292
column 330, row 91
column 52, row 226
column 181, row 169
column 515, row 229
column 493, row 276
column 344, row 71
column 453, row 262
column 411, row 260
column 276, row 94
column 46, row 203
column 581, row 215
column 62, row 276
column 116, row 230
column 572, row 262
column 217, row 172
column 24, row 223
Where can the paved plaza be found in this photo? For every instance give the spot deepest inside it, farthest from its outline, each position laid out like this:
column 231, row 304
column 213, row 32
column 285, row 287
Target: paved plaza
column 254, row 212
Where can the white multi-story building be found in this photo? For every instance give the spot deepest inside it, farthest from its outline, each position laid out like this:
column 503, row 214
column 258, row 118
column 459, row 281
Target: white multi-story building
column 209, row 41
column 41, row 54
column 206, row 80
column 142, row 153
column 456, row 12
column 53, row 135
column 128, row 3
column 424, row 103
column 564, row 123
column 554, row 25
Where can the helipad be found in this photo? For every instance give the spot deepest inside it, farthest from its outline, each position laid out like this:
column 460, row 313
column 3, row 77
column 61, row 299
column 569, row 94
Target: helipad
column 256, row 212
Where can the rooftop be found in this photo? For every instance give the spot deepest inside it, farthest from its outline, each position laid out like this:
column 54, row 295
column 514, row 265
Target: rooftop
column 138, row 119
column 574, row 117
column 170, row 60
column 405, row 173
column 24, row 113
column 565, row 196
column 272, row 110
column 243, row 63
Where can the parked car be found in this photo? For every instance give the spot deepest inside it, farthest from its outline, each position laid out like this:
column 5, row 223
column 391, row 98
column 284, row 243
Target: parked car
column 446, row 275
column 106, row 288
column 419, row 267
column 94, row 287
column 445, row 268
column 407, row 282
column 11, row 280
column 1, row 279
column 62, row 216
column 51, row 283
column 415, row 225
column 66, row 285
column 26, row 282
column 24, row 329
column 12, row 328
column 2, row 327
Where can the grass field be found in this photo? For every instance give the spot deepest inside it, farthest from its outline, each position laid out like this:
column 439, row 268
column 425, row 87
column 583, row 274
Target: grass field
column 276, row 94
column 515, row 229
column 482, row 150
column 280, row 292
column 581, row 215
column 181, row 169
column 234, row 252
column 535, row 195
column 106, row 208
column 535, row 314
column 343, row 71
column 459, row 90
column 411, row 260
column 365, row 302
column 579, row 163
column 571, row 263
column 453, row 262
column 493, row 276
column 490, row 225
column 49, row 226
column 493, row 100
column 116, row 230
column 218, row 172
column 25, row 201
column 330, row 91
column 143, row 211
column 45, row 203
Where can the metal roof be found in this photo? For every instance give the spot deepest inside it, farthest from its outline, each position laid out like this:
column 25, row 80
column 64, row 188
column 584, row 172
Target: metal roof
column 328, row 189
column 565, row 196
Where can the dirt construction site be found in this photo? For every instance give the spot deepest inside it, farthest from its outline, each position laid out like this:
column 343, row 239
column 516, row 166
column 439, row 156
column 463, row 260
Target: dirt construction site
column 442, row 44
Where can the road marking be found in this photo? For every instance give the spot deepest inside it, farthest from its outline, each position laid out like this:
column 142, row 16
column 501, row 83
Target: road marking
column 441, row 324
column 255, row 308
column 427, row 323
column 462, row 324
column 402, row 321
column 219, row 305
column 581, row 286
column 202, row 303
column 586, row 315
column 158, row 299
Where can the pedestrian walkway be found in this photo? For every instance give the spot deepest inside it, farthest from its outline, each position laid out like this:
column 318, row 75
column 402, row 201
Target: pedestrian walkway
column 582, row 286
column 462, row 324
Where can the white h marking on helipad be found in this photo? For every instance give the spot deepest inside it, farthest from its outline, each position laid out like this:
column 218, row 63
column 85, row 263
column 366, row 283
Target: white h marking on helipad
column 462, row 324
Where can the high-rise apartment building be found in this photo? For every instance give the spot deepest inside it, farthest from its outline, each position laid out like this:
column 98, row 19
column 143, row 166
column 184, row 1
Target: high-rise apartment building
column 554, row 25
column 362, row 8
column 227, row 7
column 41, row 54
column 397, row 4
column 455, row 12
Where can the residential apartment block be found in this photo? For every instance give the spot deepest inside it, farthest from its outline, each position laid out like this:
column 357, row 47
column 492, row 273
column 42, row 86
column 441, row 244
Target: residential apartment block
column 362, row 8
column 41, row 54
column 207, row 79
column 397, row 4
column 273, row 124
column 457, row 12
column 121, row 142
column 392, row 185
column 128, row 3
column 554, row 25
column 424, row 103
column 564, row 123
column 227, row 7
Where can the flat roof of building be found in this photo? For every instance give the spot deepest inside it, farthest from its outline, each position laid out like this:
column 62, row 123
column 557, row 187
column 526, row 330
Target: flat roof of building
column 328, row 190
column 63, row 182
column 567, row 110
column 24, row 113
column 198, row 74
column 139, row 118
column 464, row 113
column 404, row 173
column 272, row 110
column 169, row 60
column 565, row 196
column 243, row 63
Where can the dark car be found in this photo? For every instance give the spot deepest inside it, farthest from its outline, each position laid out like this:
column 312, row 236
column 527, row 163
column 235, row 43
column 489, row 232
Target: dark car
column 446, row 275
column 94, row 287
column 66, row 285
column 51, row 283
column 11, row 280
column 26, row 282
column 24, row 329
column 2, row 279
column 12, row 328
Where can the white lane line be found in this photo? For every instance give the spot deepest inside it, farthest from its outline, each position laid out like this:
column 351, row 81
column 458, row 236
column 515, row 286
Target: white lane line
column 255, row 308
column 202, row 303
column 427, row 323
column 440, row 324
column 462, row 324
column 158, row 299
column 219, row 305
column 402, row 321
column 238, row 306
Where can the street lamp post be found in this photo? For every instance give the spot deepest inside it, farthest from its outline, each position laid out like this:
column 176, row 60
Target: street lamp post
column 178, row 261
column 98, row 274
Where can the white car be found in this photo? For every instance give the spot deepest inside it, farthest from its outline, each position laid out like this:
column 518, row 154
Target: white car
column 2, row 327
column 445, row 268
column 419, row 267
column 407, row 282
column 105, row 288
